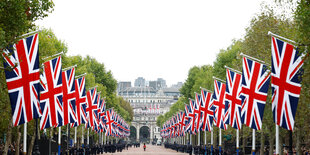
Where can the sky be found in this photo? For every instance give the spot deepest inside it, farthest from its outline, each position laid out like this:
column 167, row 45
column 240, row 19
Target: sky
column 150, row 38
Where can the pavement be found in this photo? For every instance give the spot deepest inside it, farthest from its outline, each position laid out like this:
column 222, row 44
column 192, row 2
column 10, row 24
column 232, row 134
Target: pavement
column 150, row 150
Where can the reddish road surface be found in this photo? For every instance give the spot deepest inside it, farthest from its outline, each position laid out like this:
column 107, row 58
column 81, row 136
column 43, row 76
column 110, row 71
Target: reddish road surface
column 150, row 150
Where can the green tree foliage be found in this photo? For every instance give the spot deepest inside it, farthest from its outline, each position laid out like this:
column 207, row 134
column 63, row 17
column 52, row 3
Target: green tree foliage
column 257, row 43
column 17, row 17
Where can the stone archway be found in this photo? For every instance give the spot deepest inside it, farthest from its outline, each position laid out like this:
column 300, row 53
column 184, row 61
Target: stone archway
column 133, row 133
column 144, row 134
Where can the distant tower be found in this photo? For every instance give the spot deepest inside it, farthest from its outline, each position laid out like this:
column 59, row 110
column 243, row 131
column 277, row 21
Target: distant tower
column 140, row 82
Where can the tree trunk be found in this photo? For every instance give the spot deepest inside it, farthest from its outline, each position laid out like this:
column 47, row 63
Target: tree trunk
column 33, row 137
column 271, row 144
column 8, row 138
column 244, row 142
column 298, row 142
column 280, row 144
column 17, row 141
column 262, row 143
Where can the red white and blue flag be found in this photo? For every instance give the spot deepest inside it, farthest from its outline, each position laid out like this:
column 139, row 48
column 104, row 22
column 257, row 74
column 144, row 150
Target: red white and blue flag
column 109, row 123
column 189, row 113
column 51, row 94
column 255, row 83
column 23, row 80
column 91, row 108
column 182, row 123
column 101, row 113
column 197, row 111
column 191, row 117
column 68, row 87
column 233, row 100
column 206, row 110
column 80, row 96
column 219, row 104
column 286, row 71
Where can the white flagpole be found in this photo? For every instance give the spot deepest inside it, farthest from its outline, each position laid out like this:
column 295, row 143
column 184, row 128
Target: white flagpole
column 75, row 136
column 237, row 141
column 277, row 139
column 220, row 140
column 253, row 142
column 25, row 139
column 59, row 139
column 87, row 137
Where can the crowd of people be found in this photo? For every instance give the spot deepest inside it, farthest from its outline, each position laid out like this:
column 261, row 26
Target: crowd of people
column 206, row 150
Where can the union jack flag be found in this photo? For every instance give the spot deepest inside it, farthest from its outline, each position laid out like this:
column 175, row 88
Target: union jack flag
column 91, row 107
column 197, row 111
column 51, row 94
column 101, row 113
column 219, row 104
column 190, row 117
column 182, row 123
column 109, row 122
column 206, row 109
column 80, row 96
column 232, row 99
column 23, row 80
column 68, row 99
column 96, row 126
column 286, row 71
column 255, row 83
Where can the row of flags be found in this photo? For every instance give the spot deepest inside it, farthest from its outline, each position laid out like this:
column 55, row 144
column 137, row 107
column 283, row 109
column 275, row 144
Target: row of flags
column 55, row 96
column 242, row 98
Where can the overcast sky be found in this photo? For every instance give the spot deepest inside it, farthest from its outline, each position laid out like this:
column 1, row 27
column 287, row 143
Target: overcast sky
column 150, row 38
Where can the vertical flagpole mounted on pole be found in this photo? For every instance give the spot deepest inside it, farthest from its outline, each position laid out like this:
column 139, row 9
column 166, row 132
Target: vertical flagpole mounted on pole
column 75, row 136
column 237, row 141
column 277, row 139
column 87, row 137
column 211, row 140
column 25, row 139
column 198, row 138
column 59, row 140
column 220, row 141
column 253, row 142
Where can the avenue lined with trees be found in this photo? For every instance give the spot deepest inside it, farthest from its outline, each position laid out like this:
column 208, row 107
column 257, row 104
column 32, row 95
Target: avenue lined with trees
column 256, row 43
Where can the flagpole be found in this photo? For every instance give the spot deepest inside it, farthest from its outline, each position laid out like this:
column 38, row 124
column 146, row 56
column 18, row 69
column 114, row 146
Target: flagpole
column 255, row 59
column 29, row 33
column 198, row 138
column 253, row 142
column 233, row 69
column 60, row 53
column 211, row 140
column 69, row 67
column 87, row 137
column 82, row 137
column 59, row 140
column 277, row 139
column 75, row 136
column 275, row 35
column 237, row 141
column 220, row 141
column 76, row 77
column 25, row 139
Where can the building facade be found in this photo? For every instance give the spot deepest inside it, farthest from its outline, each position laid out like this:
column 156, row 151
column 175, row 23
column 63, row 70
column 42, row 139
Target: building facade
column 147, row 103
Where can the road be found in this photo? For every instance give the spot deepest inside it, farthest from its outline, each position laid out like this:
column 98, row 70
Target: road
column 150, row 150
